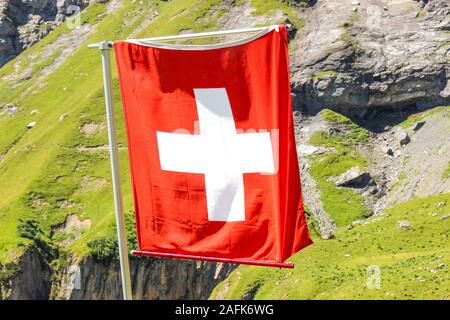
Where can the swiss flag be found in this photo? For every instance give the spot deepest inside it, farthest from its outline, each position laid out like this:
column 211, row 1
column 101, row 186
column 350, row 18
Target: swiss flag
column 212, row 150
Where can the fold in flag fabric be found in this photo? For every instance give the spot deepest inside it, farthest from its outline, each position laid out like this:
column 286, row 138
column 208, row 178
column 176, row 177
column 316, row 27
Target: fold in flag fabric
column 212, row 150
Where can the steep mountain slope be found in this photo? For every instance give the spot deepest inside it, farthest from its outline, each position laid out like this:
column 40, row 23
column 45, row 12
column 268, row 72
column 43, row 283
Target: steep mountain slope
column 56, row 210
column 389, row 167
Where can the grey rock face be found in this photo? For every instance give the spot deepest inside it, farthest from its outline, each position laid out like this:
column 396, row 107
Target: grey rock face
column 418, row 170
column 386, row 54
column 33, row 280
column 24, row 22
column 152, row 278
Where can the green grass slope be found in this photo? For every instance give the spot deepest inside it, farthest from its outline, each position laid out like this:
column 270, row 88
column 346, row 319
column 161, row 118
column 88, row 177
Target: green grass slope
column 374, row 260
column 38, row 174
column 343, row 204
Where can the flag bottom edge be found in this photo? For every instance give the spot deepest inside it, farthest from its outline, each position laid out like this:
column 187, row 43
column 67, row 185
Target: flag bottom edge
column 212, row 259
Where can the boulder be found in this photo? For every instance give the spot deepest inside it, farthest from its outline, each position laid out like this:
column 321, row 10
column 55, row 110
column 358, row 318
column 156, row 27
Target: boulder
column 308, row 150
column 353, row 178
column 9, row 109
column 31, row 125
column 63, row 116
column 404, row 224
column 401, row 137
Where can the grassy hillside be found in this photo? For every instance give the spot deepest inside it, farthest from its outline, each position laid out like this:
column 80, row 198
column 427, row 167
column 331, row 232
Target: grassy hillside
column 38, row 173
column 412, row 263
column 60, row 167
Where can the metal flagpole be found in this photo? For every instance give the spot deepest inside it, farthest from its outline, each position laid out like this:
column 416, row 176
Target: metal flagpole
column 105, row 48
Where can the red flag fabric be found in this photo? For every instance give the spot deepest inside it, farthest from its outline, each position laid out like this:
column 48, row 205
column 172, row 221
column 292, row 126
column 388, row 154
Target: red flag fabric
column 211, row 146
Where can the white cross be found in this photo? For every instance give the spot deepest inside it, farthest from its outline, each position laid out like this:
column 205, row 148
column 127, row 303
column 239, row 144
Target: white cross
column 218, row 152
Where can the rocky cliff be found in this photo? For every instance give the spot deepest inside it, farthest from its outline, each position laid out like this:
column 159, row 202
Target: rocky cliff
column 361, row 56
column 23, row 23
column 92, row 279
column 33, row 281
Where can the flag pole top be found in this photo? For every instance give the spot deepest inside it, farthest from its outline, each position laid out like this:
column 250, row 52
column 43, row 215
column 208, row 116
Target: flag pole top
column 105, row 45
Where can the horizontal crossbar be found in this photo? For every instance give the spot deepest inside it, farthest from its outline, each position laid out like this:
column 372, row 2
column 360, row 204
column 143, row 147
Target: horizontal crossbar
column 195, row 35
